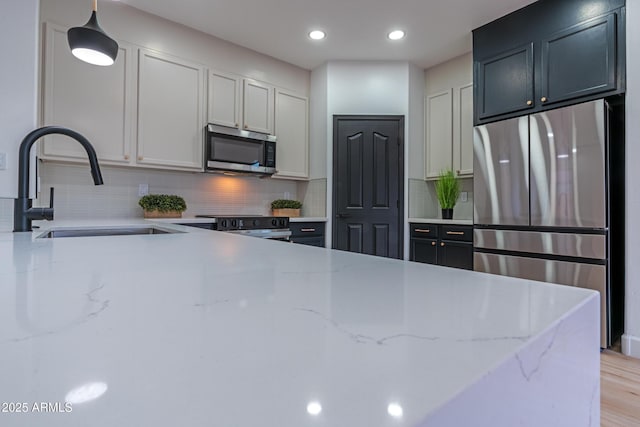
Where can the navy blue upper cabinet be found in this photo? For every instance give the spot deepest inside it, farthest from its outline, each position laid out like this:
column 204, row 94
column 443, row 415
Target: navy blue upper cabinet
column 549, row 54
column 510, row 75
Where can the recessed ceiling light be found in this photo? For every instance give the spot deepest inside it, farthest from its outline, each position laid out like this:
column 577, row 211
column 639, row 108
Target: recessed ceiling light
column 396, row 35
column 317, row 34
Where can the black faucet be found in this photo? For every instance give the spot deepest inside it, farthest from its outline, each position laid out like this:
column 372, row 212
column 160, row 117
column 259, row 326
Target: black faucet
column 23, row 213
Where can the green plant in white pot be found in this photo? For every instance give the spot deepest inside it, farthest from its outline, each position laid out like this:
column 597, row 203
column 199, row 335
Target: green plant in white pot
column 447, row 190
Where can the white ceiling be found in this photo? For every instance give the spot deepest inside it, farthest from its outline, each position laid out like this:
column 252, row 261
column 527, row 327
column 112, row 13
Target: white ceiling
column 356, row 29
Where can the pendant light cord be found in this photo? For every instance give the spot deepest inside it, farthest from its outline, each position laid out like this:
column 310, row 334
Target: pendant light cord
column 95, row 5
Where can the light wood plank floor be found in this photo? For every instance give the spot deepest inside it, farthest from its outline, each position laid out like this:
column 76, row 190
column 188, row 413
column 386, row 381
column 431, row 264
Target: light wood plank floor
column 619, row 390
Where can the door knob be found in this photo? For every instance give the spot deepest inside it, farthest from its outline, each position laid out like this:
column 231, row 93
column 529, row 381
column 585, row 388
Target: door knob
column 529, row 102
column 433, row 243
column 441, row 243
column 543, row 99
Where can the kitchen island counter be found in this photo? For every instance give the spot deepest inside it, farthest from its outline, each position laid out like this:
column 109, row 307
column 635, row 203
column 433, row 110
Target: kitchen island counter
column 203, row 328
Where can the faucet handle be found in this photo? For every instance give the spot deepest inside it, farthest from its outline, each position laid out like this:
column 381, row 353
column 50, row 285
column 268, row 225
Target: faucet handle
column 51, row 198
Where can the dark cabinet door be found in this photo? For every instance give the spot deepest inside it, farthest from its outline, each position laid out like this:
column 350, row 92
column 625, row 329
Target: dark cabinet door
column 579, row 61
column 307, row 233
column 505, row 83
column 424, row 250
column 456, row 254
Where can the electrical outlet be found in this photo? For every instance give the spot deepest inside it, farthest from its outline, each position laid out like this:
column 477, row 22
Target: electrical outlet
column 3, row 161
column 143, row 189
column 464, row 196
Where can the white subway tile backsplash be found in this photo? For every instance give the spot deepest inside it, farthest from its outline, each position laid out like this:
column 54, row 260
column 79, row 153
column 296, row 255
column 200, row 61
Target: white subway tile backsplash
column 6, row 214
column 77, row 197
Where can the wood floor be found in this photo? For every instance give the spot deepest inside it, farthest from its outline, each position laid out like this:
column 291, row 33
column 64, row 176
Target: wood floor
column 619, row 390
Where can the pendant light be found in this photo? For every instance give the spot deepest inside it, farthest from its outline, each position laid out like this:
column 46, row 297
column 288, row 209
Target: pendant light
column 91, row 44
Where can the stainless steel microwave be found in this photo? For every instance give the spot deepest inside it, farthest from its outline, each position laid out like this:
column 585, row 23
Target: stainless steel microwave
column 239, row 151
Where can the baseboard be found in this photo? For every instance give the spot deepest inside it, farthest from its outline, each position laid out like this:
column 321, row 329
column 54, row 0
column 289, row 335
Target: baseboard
column 631, row 345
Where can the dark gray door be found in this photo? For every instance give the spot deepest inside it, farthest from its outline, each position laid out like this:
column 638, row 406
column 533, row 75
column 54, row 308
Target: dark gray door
column 368, row 173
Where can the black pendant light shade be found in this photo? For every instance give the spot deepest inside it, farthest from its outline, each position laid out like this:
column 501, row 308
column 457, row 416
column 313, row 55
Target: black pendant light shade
column 91, row 44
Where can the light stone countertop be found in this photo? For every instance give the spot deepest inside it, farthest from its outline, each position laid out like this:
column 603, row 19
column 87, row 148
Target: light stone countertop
column 203, row 328
column 204, row 220
column 441, row 221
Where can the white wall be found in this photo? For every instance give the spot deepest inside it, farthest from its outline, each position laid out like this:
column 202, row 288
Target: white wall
column 631, row 339
column 18, row 84
column 318, row 123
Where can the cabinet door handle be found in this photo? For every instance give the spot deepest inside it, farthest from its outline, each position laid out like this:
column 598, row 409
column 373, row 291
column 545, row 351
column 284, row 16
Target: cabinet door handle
column 530, row 102
column 543, row 99
column 422, row 230
column 458, row 172
column 237, row 125
column 433, row 243
column 441, row 243
column 126, row 157
column 308, row 230
column 140, row 158
column 246, row 126
column 456, row 233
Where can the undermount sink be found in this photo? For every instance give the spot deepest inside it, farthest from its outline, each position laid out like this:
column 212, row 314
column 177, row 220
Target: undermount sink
column 110, row 231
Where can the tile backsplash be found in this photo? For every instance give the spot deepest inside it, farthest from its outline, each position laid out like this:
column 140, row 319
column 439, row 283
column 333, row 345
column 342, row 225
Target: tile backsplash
column 423, row 202
column 6, row 214
column 77, row 198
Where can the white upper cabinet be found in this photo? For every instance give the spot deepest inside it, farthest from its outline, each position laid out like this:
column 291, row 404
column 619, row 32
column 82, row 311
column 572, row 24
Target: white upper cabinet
column 257, row 107
column 463, row 130
column 438, row 133
column 224, row 99
column 94, row 101
column 449, row 118
column 171, row 107
column 292, row 132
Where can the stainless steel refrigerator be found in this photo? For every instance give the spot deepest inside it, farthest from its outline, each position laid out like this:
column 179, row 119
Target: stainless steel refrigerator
column 542, row 201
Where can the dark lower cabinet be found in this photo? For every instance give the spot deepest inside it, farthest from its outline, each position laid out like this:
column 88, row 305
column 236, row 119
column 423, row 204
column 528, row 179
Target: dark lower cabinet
column 308, row 233
column 440, row 244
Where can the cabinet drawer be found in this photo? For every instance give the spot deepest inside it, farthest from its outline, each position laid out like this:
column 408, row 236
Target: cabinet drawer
column 457, row 232
column 309, row 241
column 305, row 229
column 424, row 230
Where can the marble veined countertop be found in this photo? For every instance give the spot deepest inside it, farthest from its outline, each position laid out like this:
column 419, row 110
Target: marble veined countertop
column 203, row 328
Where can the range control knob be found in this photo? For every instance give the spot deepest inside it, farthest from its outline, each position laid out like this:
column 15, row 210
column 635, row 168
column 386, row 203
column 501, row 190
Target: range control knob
column 283, row 223
column 234, row 223
column 274, row 222
column 223, row 223
column 255, row 223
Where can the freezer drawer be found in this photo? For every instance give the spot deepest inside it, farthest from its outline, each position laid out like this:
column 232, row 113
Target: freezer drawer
column 501, row 172
column 541, row 242
column 568, row 176
column 582, row 275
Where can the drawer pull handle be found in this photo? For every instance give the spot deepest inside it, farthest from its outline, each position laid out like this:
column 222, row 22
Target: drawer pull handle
column 308, row 230
column 441, row 243
column 543, row 99
column 456, row 233
column 529, row 102
column 422, row 230
column 433, row 243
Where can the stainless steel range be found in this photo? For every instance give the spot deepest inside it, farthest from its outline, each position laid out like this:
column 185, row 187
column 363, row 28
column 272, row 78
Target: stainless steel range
column 265, row 227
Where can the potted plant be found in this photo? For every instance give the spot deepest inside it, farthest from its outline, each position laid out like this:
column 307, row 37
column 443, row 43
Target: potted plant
column 285, row 207
column 447, row 190
column 162, row 206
